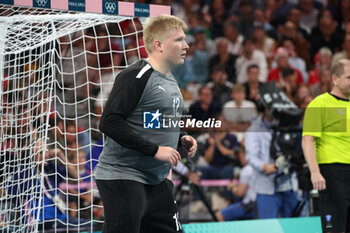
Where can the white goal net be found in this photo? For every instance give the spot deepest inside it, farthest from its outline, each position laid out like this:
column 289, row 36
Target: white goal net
column 56, row 71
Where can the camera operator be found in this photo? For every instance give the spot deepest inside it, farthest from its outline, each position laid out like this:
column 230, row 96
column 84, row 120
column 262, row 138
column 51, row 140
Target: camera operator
column 276, row 191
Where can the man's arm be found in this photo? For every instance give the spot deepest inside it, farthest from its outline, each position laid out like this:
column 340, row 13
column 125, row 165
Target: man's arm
column 125, row 95
column 238, row 189
column 309, row 150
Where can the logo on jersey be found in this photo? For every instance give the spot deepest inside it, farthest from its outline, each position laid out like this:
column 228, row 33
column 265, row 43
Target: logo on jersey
column 162, row 88
column 177, row 222
column 328, row 218
column 151, row 120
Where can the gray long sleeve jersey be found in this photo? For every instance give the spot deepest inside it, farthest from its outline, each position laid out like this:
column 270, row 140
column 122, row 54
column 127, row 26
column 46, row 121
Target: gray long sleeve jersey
column 138, row 94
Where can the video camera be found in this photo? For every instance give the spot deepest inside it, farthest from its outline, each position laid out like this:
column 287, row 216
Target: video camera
column 285, row 146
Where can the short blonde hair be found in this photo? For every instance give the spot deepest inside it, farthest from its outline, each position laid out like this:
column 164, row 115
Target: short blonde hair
column 157, row 28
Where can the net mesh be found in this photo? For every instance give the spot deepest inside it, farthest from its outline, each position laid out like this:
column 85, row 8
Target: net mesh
column 56, row 71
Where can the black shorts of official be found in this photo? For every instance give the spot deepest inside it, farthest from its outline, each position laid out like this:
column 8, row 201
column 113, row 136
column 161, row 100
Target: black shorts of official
column 134, row 207
column 334, row 201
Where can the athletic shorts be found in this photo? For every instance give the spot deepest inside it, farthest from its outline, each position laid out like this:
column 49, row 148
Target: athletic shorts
column 334, row 201
column 134, row 207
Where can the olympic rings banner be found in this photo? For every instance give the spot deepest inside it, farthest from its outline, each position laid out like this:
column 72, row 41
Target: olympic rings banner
column 96, row 6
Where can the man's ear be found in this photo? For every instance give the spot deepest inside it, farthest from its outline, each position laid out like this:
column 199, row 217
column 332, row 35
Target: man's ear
column 334, row 79
column 158, row 45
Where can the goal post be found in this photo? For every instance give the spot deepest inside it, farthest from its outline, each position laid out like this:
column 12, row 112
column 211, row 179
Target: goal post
column 56, row 71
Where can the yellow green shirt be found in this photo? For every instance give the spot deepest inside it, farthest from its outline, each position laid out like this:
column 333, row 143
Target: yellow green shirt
column 327, row 119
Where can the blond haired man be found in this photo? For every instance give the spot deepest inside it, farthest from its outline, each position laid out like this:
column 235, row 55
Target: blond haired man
column 139, row 151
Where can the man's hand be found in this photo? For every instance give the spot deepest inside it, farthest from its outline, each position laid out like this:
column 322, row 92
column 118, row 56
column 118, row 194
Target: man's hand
column 269, row 168
column 189, row 144
column 318, row 181
column 194, row 177
column 168, row 154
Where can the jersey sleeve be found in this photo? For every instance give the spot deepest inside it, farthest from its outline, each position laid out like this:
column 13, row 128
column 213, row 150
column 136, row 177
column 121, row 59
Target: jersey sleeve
column 312, row 124
column 125, row 95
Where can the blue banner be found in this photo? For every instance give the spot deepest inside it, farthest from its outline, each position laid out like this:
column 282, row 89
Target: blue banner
column 9, row 2
column 42, row 3
column 141, row 10
column 76, row 5
column 110, row 7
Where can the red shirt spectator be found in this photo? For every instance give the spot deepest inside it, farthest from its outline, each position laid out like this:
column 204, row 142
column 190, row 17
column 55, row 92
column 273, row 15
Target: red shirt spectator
column 276, row 75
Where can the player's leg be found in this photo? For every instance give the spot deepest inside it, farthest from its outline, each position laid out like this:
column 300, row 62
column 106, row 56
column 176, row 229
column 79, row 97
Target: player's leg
column 162, row 213
column 334, row 199
column 124, row 204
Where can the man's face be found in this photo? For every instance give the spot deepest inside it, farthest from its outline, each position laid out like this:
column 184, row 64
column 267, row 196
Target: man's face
column 291, row 79
column 295, row 15
column 248, row 47
column 306, row 5
column 231, row 33
column 343, row 82
column 253, row 74
column 325, row 76
column 205, row 96
column 282, row 62
column 290, row 30
column 238, row 96
column 174, row 48
column 222, row 47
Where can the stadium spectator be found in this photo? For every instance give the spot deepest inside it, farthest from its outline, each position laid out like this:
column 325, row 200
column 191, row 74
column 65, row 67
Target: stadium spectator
column 308, row 15
column 53, row 210
column 261, row 41
column 81, row 197
column 294, row 16
column 203, row 43
column 294, row 60
column 203, row 109
column 323, row 60
column 238, row 112
column 281, row 12
column 303, row 95
column 223, row 58
column 342, row 15
column 302, row 46
column 253, row 83
column 259, row 17
column 325, row 34
column 220, row 152
column 104, row 53
column 245, row 18
column 233, row 37
column 345, row 52
column 275, row 74
column 250, row 55
column 324, row 85
column 220, row 86
column 218, row 15
column 243, row 209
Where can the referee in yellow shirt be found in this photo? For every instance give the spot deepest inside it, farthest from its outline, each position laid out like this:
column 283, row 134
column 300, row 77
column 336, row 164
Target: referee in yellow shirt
column 326, row 146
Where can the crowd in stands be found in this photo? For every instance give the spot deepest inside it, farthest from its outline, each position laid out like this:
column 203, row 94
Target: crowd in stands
column 235, row 46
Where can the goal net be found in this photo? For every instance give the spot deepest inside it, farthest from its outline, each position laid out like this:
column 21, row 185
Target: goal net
column 56, row 71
